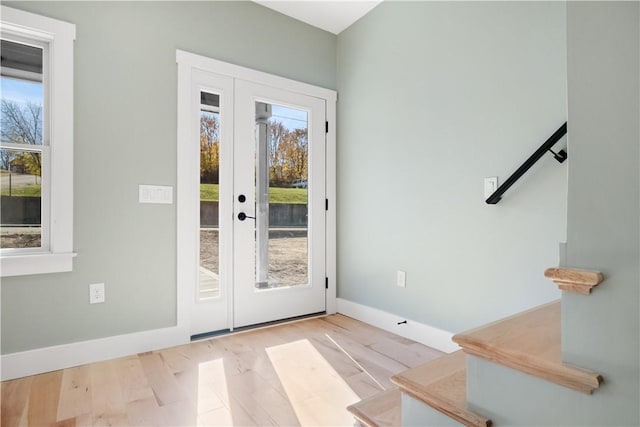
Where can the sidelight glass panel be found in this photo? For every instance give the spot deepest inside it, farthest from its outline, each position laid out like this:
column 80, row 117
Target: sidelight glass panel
column 209, row 283
column 282, row 156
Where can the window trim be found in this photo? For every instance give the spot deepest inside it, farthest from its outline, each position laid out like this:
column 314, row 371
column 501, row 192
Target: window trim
column 57, row 253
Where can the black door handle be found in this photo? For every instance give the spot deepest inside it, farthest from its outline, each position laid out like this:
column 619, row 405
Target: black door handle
column 242, row 216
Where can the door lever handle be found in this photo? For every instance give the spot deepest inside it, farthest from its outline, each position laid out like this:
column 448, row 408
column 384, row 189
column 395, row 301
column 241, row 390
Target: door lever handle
column 242, row 216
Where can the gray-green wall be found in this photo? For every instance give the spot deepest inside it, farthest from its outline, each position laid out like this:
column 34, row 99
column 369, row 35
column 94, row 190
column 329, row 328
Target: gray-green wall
column 125, row 135
column 602, row 332
column 433, row 97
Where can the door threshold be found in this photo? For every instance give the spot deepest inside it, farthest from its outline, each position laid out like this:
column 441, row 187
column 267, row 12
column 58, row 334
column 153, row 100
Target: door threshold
column 207, row 335
column 265, row 325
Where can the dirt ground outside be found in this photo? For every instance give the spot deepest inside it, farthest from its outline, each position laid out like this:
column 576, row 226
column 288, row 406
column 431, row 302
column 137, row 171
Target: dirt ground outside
column 27, row 239
column 288, row 251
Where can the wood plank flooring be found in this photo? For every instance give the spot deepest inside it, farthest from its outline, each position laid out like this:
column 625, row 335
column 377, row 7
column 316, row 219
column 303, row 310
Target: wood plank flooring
column 286, row 375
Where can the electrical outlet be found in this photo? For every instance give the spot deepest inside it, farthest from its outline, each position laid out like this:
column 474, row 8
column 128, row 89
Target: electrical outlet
column 401, row 279
column 96, row 293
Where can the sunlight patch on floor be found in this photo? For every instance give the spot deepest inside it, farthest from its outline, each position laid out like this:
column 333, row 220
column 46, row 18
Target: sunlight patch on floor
column 213, row 396
column 317, row 393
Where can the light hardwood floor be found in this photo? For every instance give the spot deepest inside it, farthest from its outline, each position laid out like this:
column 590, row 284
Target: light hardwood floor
column 287, row 375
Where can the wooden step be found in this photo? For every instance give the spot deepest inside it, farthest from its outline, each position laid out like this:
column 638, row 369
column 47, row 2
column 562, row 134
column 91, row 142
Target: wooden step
column 529, row 342
column 575, row 280
column 442, row 384
column 381, row 410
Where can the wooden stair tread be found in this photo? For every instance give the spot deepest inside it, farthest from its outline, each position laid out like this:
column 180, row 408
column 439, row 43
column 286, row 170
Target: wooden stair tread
column 529, row 342
column 381, row 410
column 442, row 384
column 575, row 280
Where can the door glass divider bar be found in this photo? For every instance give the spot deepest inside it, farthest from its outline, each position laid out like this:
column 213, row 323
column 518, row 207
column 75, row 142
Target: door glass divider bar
column 560, row 156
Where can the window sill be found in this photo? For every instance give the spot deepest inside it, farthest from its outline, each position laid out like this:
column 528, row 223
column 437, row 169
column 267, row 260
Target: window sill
column 43, row 263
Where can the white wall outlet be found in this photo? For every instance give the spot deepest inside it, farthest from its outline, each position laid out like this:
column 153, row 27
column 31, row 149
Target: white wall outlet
column 155, row 194
column 401, row 279
column 490, row 186
column 96, row 293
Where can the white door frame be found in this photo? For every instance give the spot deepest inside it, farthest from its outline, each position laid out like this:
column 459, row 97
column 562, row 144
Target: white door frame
column 185, row 280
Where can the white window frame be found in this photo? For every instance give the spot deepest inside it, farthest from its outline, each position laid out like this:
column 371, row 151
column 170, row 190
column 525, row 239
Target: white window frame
column 56, row 253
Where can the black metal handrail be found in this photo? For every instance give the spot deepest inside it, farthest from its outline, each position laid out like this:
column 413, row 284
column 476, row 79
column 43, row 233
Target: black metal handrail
column 560, row 156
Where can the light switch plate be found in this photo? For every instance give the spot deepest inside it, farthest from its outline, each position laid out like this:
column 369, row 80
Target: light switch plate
column 401, row 279
column 155, row 194
column 490, row 186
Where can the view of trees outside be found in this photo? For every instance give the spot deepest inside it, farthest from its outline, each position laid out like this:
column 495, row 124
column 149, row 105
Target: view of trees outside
column 288, row 155
column 21, row 123
column 288, row 158
column 208, row 284
column 288, row 151
column 209, row 147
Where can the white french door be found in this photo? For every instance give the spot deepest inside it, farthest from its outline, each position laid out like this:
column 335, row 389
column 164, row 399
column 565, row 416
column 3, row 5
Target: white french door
column 252, row 192
column 279, row 223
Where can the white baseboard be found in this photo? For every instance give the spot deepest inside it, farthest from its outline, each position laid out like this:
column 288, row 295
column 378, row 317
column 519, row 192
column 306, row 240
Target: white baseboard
column 424, row 334
column 31, row 362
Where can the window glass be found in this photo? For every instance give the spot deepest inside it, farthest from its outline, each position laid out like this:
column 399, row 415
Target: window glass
column 21, row 146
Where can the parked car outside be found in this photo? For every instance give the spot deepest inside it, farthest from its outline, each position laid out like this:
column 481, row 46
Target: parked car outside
column 299, row 183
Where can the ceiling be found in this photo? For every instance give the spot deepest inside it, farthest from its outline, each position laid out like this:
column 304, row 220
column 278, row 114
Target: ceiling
column 329, row 15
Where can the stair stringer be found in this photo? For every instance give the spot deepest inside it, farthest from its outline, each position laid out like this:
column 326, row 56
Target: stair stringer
column 514, row 398
column 417, row 413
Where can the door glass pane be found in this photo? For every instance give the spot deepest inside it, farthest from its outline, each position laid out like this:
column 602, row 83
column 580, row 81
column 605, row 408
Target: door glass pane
column 21, row 193
column 282, row 253
column 209, row 283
